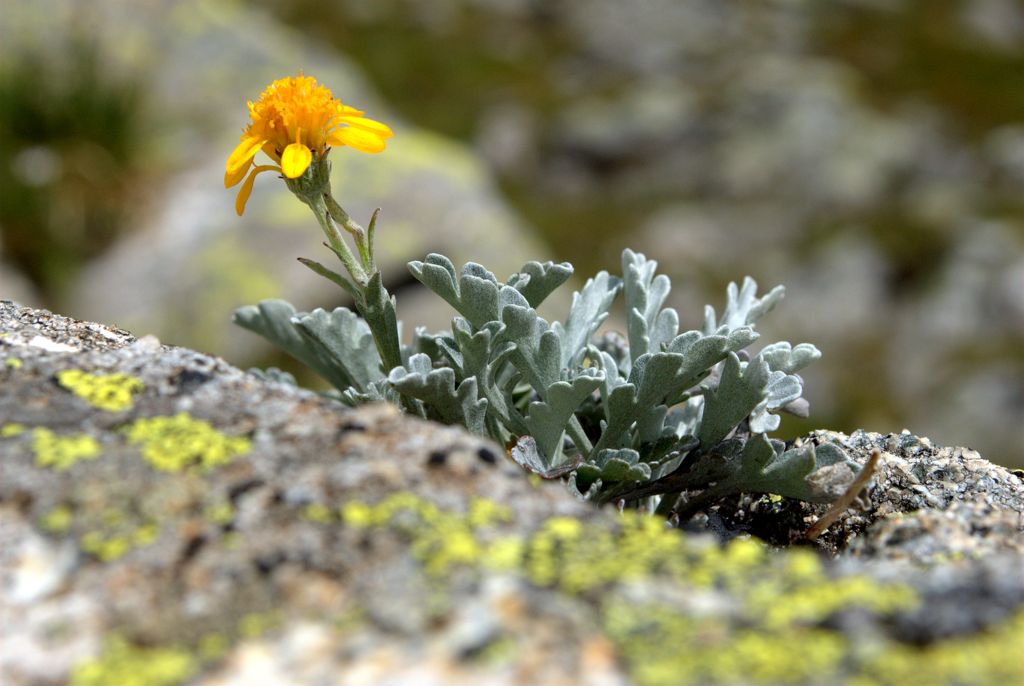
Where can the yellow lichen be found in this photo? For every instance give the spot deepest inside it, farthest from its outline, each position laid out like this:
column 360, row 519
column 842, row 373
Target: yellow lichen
column 57, row 520
column 110, row 392
column 213, row 646
column 990, row 657
column 121, row 664
column 318, row 512
column 106, row 549
column 13, row 363
column 172, row 444
column 61, row 452
column 11, row 430
column 255, row 624
column 117, row 535
column 221, row 513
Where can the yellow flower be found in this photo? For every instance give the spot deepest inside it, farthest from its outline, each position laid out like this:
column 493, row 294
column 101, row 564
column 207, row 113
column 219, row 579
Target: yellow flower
column 294, row 120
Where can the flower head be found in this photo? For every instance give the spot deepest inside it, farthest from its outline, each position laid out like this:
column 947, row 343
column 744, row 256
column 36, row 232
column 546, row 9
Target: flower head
column 296, row 121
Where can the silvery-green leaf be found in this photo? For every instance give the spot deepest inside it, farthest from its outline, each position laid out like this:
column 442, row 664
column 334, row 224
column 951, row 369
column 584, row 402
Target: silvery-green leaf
column 647, row 325
column 547, row 419
column 344, row 338
column 334, row 276
column 525, row 454
column 437, row 273
column 783, row 357
column 589, row 309
column 536, row 280
column 436, row 388
column 478, row 299
column 379, row 311
column 617, row 465
column 274, row 375
column 272, row 319
column 378, row 391
column 736, row 395
column 743, row 307
column 537, row 353
column 782, row 389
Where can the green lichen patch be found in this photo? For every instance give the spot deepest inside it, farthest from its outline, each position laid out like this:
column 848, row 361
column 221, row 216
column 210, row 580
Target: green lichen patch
column 172, row 444
column 61, row 452
column 122, row 664
column 110, row 392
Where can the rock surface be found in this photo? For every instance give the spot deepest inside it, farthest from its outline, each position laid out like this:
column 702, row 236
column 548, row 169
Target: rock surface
column 167, row 519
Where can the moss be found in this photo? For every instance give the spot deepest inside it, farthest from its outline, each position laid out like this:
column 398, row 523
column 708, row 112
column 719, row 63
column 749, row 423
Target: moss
column 61, row 452
column 110, row 392
column 122, row 664
column 172, row 444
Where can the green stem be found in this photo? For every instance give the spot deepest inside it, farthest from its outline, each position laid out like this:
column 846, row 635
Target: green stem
column 323, row 216
column 363, row 243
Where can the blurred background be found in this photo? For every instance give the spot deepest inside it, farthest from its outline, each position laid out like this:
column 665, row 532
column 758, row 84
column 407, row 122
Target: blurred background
column 868, row 154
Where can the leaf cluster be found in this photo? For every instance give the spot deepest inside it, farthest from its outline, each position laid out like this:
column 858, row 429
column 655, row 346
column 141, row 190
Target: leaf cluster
column 638, row 418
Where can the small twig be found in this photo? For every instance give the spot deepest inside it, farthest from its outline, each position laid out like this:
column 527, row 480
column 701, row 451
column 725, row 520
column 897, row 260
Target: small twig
column 846, row 499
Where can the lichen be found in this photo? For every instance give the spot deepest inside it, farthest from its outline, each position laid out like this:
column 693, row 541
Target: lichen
column 61, row 452
column 776, row 633
column 172, row 444
column 662, row 647
column 13, row 363
column 110, row 392
column 122, row 664
column 440, row 539
column 318, row 512
column 11, row 430
column 117, row 537
column 990, row 657
column 255, row 624
column 57, row 520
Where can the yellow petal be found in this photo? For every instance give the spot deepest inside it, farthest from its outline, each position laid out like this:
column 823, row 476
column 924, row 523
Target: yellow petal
column 246, row 190
column 346, row 111
column 361, row 140
column 295, row 160
column 382, row 130
column 231, row 178
column 243, row 153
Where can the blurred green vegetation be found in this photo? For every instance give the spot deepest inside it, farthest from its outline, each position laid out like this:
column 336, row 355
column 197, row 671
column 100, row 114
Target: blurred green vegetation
column 71, row 144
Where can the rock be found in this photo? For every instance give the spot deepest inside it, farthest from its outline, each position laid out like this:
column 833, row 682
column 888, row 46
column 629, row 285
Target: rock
column 168, row 519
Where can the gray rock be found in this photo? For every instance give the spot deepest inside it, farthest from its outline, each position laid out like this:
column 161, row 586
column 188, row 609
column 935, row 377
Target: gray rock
column 188, row 523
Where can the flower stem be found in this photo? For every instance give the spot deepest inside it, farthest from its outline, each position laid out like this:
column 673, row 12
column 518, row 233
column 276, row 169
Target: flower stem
column 337, row 243
column 363, row 243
